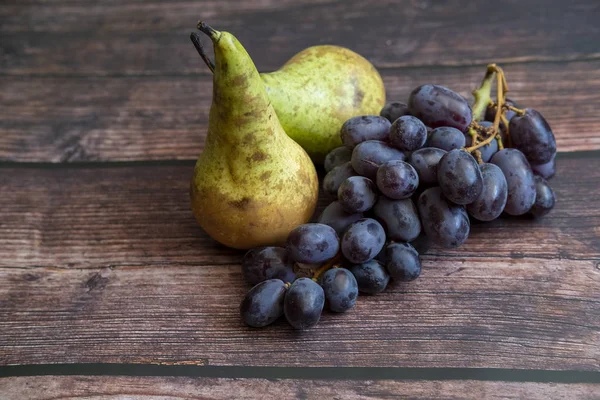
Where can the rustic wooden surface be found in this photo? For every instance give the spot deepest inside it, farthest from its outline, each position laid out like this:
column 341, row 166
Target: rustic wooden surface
column 103, row 108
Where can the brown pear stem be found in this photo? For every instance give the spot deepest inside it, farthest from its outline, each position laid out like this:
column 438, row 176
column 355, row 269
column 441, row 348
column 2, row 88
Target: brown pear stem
column 213, row 34
column 200, row 49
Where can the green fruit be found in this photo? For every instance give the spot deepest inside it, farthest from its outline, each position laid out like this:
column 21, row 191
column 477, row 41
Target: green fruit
column 252, row 184
column 318, row 90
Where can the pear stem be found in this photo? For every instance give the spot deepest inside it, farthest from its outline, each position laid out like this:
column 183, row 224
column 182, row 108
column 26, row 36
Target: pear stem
column 213, row 34
column 200, row 49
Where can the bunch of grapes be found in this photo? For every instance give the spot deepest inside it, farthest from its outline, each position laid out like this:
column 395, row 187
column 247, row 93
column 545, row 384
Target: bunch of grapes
column 412, row 176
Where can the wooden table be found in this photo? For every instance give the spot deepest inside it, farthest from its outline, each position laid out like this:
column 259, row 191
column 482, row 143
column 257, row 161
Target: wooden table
column 109, row 287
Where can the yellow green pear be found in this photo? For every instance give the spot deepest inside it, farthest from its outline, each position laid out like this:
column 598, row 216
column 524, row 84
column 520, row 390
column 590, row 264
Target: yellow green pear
column 318, row 90
column 252, row 184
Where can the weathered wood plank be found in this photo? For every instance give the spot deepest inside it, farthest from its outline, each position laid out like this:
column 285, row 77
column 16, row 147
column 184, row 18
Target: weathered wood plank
column 151, row 37
column 53, row 387
column 140, row 118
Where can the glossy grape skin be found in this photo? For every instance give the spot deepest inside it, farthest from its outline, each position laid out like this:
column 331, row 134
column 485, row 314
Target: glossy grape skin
column 532, row 135
column 403, row 262
column 303, row 303
column 341, row 289
column 408, row 133
column 445, row 223
column 312, row 243
column 371, row 277
column 338, row 156
column 446, row 138
column 425, row 162
column 264, row 303
column 439, row 106
column 459, row 177
column 393, row 111
column 339, row 219
column 490, row 203
column 363, row 240
column 357, row 194
column 399, row 218
column 397, row 179
column 546, row 170
column 369, row 155
column 544, row 199
column 489, row 149
column 367, row 127
column 519, row 178
column 335, row 177
column 262, row 263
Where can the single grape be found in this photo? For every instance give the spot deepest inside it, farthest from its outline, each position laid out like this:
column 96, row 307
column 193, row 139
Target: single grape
column 312, row 243
column 519, row 178
column 459, row 177
column 489, row 149
column 445, row 223
column 403, row 262
column 446, row 138
column 393, row 111
column 399, row 218
column 425, row 162
column 546, row 170
column 490, row 203
column 397, row 179
column 341, row 289
column 367, row 127
column 303, row 303
column 369, row 155
column 544, row 199
column 264, row 303
column 336, row 157
column 336, row 217
column 531, row 134
column 262, row 263
column 363, row 240
column 335, row 177
column 408, row 133
column 357, row 194
column 371, row 277
column 439, row 106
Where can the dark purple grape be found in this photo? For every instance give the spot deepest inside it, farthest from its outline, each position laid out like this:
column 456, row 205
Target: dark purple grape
column 341, row 289
column 489, row 149
column 531, row 134
column 439, row 106
column 363, row 240
column 445, row 223
column 336, row 217
column 335, row 177
column 490, row 113
column 519, row 178
column 336, row 157
column 357, row 194
column 393, row 111
column 312, row 243
column 403, row 262
column 546, row 170
column 262, row 263
column 367, row 127
column 397, row 179
column 490, row 203
column 371, row 277
column 369, row 155
column 303, row 303
column 446, row 138
column 408, row 133
column 425, row 162
column 459, row 177
column 399, row 218
column 264, row 303
column 544, row 199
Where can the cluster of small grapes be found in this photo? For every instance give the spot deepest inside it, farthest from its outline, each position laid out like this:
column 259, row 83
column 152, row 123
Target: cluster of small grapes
column 431, row 152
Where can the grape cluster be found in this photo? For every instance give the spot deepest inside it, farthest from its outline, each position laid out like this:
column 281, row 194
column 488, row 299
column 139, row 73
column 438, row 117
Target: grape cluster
column 401, row 181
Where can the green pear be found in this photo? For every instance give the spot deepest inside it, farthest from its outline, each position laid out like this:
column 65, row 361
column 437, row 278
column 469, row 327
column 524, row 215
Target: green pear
column 318, row 90
column 252, row 184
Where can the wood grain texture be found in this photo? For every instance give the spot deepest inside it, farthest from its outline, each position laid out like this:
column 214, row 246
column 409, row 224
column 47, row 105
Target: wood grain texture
column 142, row 118
column 136, row 37
column 54, row 387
